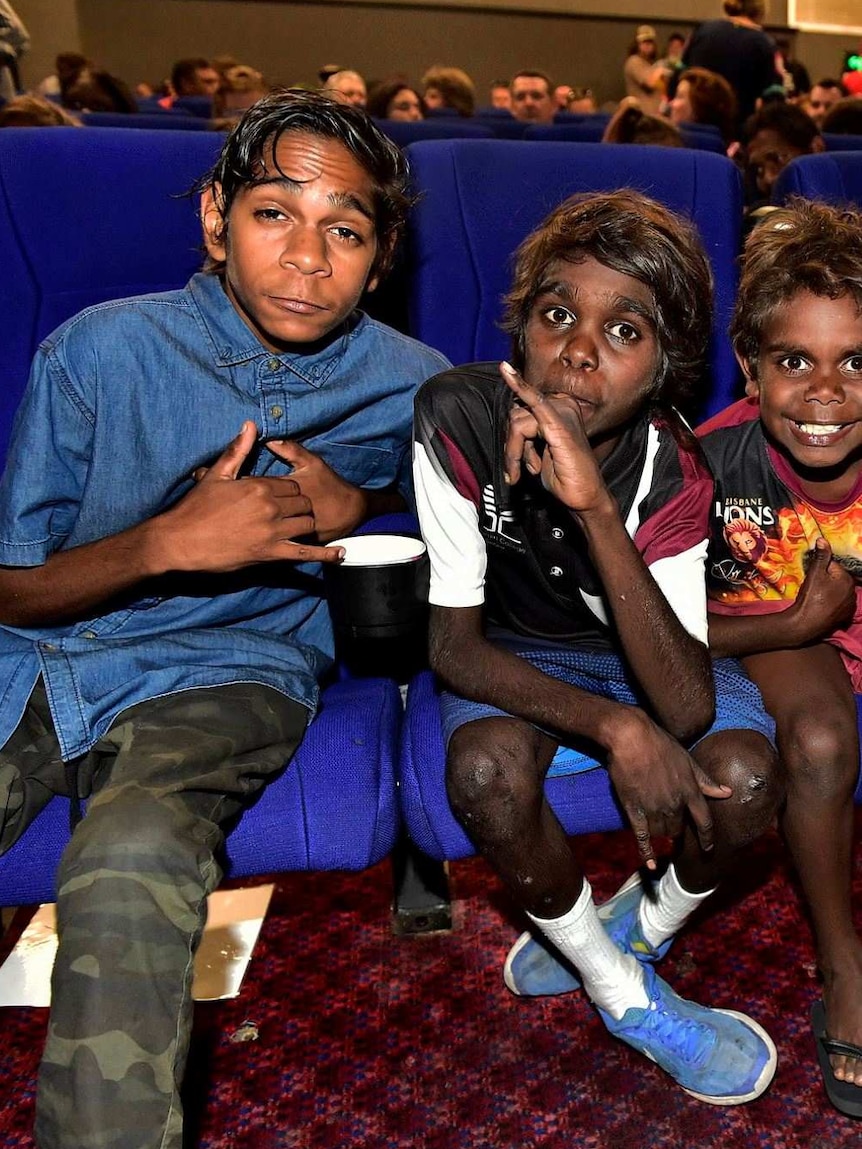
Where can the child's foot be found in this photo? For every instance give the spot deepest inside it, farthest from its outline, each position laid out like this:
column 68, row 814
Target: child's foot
column 534, row 968
column 716, row 1055
column 842, row 999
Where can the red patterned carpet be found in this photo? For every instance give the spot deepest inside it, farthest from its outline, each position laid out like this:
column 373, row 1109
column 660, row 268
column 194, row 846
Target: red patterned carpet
column 367, row 1041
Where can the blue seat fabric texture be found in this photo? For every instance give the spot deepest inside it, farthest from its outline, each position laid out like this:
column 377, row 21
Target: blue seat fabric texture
column 333, row 808
column 480, row 198
column 832, row 176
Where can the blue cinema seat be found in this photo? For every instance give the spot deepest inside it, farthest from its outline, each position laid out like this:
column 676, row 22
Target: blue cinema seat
column 479, row 199
column 145, row 120
column 404, row 132
column 592, row 130
column 839, row 142
column 91, row 216
column 832, row 176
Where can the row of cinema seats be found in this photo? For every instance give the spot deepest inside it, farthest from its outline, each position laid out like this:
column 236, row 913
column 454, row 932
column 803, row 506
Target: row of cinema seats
column 86, row 217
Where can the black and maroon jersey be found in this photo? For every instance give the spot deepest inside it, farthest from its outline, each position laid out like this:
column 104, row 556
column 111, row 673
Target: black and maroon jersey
column 517, row 549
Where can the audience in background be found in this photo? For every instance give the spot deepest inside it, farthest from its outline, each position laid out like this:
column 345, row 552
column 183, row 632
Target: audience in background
column 797, row 82
column 737, row 48
column 14, row 42
column 449, row 88
column 191, row 76
column 347, row 87
column 823, row 96
column 704, row 97
column 844, row 118
column 772, row 137
column 68, row 67
column 645, row 78
column 99, row 91
column 34, row 112
column 532, row 98
column 630, row 124
column 582, row 102
column 241, row 86
column 500, row 95
column 395, row 100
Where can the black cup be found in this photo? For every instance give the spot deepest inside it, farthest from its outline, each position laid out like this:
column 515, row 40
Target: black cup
column 378, row 601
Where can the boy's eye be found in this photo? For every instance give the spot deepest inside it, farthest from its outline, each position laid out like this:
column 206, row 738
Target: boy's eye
column 793, row 364
column 347, row 234
column 558, row 316
column 854, row 364
column 625, row 332
column 268, row 213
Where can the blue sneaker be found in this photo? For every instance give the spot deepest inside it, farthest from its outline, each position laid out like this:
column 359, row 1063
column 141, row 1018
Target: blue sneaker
column 716, row 1055
column 535, row 968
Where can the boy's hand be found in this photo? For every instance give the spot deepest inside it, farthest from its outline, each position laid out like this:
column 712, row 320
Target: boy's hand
column 826, row 599
column 226, row 522
column 567, row 466
column 658, row 783
column 338, row 507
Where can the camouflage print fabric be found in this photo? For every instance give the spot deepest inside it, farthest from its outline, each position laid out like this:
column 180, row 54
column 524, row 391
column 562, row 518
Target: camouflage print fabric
column 162, row 784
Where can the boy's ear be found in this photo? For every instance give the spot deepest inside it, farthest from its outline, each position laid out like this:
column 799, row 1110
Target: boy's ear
column 213, row 223
column 752, row 387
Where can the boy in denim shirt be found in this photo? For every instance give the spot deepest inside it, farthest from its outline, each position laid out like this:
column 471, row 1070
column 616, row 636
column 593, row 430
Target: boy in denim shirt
column 155, row 661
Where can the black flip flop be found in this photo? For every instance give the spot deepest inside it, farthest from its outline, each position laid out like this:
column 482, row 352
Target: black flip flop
column 844, row 1095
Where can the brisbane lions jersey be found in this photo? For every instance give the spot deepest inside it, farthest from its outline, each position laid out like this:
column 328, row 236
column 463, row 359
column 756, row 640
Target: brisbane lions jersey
column 520, row 552
column 763, row 529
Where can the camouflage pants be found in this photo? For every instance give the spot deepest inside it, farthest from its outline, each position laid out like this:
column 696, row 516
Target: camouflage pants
column 162, row 784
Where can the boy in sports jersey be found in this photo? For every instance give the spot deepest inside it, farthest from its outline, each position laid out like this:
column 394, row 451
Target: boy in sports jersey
column 565, row 506
column 784, row 563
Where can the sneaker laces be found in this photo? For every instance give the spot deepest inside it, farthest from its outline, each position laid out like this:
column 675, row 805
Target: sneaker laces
column 692, row 1041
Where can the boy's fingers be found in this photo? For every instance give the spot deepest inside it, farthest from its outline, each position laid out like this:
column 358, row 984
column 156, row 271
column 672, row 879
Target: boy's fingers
column 290, row 451
column 230, row 461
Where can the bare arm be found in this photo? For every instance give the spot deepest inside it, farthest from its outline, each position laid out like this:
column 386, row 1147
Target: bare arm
column 671, row 666
column 826, row 601
column 656, row 781
column 223, row 524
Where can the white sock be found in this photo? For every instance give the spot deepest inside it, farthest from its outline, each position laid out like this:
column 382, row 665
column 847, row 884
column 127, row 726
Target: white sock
column 663, row 916
column 613, row 980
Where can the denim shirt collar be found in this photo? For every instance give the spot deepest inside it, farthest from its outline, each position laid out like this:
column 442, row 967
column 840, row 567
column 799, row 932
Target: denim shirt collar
column 232, row 342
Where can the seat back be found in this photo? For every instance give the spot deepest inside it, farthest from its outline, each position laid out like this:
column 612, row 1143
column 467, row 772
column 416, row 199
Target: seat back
column 403, row 132
column 86, row 217
column 144, row 120
column 832, row 176
column 479, row 199
column 838, row 142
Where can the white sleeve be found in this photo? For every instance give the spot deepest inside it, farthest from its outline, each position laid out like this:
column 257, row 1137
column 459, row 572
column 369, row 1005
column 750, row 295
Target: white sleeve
column 682, row 580
column 450, row 528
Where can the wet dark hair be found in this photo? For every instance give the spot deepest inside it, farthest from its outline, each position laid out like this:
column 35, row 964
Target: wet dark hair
column 251, row 148
column 805, row 246
column 634, row 235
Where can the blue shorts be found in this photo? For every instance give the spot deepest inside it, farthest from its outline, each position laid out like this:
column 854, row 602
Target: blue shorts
column 738, row 705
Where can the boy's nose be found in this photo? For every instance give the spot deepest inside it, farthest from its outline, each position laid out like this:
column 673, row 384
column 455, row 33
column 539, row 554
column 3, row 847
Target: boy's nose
column 825, row 387
column 306, row 251
column 580, row 352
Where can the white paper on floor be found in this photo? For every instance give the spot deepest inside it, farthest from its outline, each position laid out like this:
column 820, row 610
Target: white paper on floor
column 234, row 918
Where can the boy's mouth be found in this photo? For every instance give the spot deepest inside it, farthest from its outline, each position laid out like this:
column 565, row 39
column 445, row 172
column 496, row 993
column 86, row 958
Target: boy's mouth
column 820, row 428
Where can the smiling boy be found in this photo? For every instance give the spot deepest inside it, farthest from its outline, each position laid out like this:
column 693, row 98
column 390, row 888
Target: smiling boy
column 788, row 459
column 565, row 510
column 154, row 660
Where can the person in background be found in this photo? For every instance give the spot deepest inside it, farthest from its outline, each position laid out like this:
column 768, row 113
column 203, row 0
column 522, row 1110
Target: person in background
column 704, row 97
column 499, row 94
column 737, row 48
column 581, row 102
column 645, row 78
column 191, row 76
column 395, row 100
column 532, row 97
column 14, row 42
column 34, row 112
column 68, row 67
column 630, row 124
column 844, row 118
column 824, row 95
column 241, row 86
column 797, row 81
column 96, row 90
column 346, row 86
column 771, row 138
column 445, row 87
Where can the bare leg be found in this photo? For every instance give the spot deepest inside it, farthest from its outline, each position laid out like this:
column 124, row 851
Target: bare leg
column 495, row 773
column 819, row 744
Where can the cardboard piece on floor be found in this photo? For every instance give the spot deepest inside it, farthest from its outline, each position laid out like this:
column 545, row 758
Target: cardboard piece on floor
column 234, row 918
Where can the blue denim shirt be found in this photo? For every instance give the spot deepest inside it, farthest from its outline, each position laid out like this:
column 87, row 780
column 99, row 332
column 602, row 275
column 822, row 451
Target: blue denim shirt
column 124, row 402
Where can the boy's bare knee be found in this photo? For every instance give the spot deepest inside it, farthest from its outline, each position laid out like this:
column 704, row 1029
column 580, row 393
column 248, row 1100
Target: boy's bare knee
column 486, row 775
column 821, row 752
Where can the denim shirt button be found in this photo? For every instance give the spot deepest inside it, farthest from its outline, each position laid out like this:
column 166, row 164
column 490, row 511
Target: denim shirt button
column 276, row 412
column 89, row 634
column 50, row 647
column 273, row 364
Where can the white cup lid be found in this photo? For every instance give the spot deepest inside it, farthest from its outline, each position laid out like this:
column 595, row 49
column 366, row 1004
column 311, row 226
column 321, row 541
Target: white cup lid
column 379, row 550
